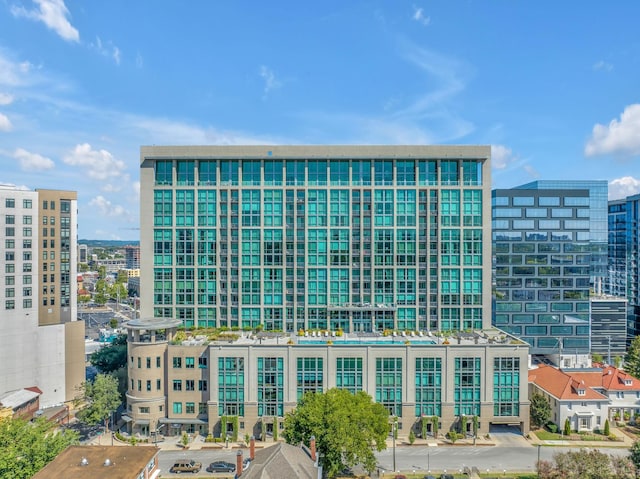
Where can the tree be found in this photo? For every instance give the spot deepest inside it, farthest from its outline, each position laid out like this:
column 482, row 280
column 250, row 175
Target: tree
column 111, row 357
column 539, row 410
column 585, row 464
column 607, row 428
column 632, row 358
column 567, row 427
column 597, row 358
column 634, row 454
column 347, row 428
column 101, row 398
column 26, row 447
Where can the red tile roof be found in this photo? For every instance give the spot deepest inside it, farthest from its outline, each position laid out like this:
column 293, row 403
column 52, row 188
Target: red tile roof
column 563, row 386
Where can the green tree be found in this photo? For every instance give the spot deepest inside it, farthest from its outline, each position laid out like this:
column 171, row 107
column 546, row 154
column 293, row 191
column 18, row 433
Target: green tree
column 123, row 277
column 100, row 398
column 634, row 454
column 102, row 271
column 347, row 428
column 540, row 410
column 597, row 358
column 607, row 428
column 118, row 291
column 26, row 447
column 632, row 358
column 567, row 427
column 111, row 357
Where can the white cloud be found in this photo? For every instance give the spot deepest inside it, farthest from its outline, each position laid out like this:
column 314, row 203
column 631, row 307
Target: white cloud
column 139, row 60
column 6, row 99
column 97, row 164
column 419, row 16
column 620, row 137
column 32, row 161
column 107, row 49
column 623, row 187
column 106, row 208
column 5, row 123
column 53, row 13
column 602, row 66
column 13, row 73
column 501, row 157
column 270, row 80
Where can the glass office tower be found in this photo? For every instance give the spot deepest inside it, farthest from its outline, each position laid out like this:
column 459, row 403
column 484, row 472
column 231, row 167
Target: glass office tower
column 362, row 238
column 542, row 253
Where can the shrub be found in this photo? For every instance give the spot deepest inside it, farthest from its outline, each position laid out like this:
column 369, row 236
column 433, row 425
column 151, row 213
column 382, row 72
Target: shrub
column 607, row 428
column 552, row 427
column 412, row 437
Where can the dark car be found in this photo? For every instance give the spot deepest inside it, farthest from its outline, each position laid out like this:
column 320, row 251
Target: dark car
column 429, row 477
column 446, row 476
column 186, row 466
column 221, row 466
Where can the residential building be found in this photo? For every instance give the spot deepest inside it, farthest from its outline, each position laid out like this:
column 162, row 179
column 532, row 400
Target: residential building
column 587, row 397
column 280, row 460
column 361, row 240
column 38, row 296
column 132, row 256
column 23, row 403
column 542, row 248
column 103, row 462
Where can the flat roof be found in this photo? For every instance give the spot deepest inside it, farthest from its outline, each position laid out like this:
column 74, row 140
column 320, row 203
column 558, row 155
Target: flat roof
column 152, row 323
column 127, row 462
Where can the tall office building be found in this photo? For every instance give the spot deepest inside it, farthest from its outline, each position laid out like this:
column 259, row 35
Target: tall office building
column 42, row 343
column 389, row 245
column 542, row 248
column 624, row 252
column 132, row 256
column 318, row 237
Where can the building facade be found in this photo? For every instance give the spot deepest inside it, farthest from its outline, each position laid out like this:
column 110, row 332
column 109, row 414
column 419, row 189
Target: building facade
column 245, row 383
column 38, row 295
column 369, row 240
column 624, row 251
column 317, row 237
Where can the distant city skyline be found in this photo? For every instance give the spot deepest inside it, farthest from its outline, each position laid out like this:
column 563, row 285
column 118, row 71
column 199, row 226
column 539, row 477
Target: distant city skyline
column 83, row 86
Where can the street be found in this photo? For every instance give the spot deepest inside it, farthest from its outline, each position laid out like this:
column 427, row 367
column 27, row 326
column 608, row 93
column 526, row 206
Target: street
column 495, row 459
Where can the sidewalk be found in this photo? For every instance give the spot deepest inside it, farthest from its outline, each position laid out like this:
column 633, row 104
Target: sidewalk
column 625, row 441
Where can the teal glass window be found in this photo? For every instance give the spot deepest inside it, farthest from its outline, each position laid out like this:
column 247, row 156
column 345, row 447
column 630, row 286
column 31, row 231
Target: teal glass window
column 472, row 208
column 406, row 247
column 185, row 247
column 185, row 208
column 317, row 286
column 251, row 247
column 427, row 172
column 164, row 172
column 273, row 208
column 339, row 247
column 361, row 172
column 383, row 247
column 389, row 384
column 506, row 386
column 229, row 172
column 472, row 286
column 273, row 247
column 405, row 172
column 450, row 207
column 177, row 408
column 272, row 286
column 162, row 208
column 251, row 171
column 383, row 208
column 231, row 386
column 317, row 207
column 339, row 172
column 383, row 286
column 405, row 286
column 317, row 247
column 250, row 317
column 270, row 391
column 206, row 290
column 309, row 376
column 295, row 172
column 449, row 174
column 273, row 172
column 467, row 383
column 206, row 247
column 428, row 382
column 317, row 172
column 162, row 286
column 406, row 208
column 339, row 286
column 186, row 172
column 185, row 286
column 349, row 374
column 207, row 172
column 162, row 247
column 251, row 286
column 406, row 319
column 251, row 207
column 472, row 247
column 206, row 207
column 471, row 172
column 383, row 172
column 450, row 247
column 339, row 208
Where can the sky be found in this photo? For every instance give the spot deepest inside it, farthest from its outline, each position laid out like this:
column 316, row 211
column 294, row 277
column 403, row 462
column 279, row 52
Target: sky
column 553, row 87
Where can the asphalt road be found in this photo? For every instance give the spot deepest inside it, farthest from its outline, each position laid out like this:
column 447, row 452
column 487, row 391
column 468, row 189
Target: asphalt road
column 419, row 458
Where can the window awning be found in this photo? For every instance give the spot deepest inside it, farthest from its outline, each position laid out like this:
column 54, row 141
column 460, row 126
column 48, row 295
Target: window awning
column 142, row 422
column 166, row 420
column 585, row 413
column 126, row 418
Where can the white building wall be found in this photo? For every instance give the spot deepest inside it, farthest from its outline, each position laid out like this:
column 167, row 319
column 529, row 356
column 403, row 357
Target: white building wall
column 50, row 364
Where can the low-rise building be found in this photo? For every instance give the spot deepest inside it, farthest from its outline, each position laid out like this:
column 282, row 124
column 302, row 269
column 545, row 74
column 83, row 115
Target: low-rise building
column 103, row 462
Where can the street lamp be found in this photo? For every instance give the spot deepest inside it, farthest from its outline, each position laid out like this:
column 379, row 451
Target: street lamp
column 394, row 428
column 538, row 464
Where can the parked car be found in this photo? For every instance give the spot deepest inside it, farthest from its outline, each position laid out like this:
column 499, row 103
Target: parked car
column 399, row 476
column 429, row 477
column 221, row 466
column 188, row 465
column 246, row 463
column 446, row 476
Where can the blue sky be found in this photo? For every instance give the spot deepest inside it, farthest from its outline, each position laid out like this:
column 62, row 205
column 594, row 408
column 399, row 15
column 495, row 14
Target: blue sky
column 553, row 86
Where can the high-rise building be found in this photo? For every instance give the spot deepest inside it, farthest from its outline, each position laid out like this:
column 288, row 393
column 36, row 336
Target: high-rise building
column 132, row 256
column 624, row 252
column 365, row 267
column 542, row 248
column 42, row 343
